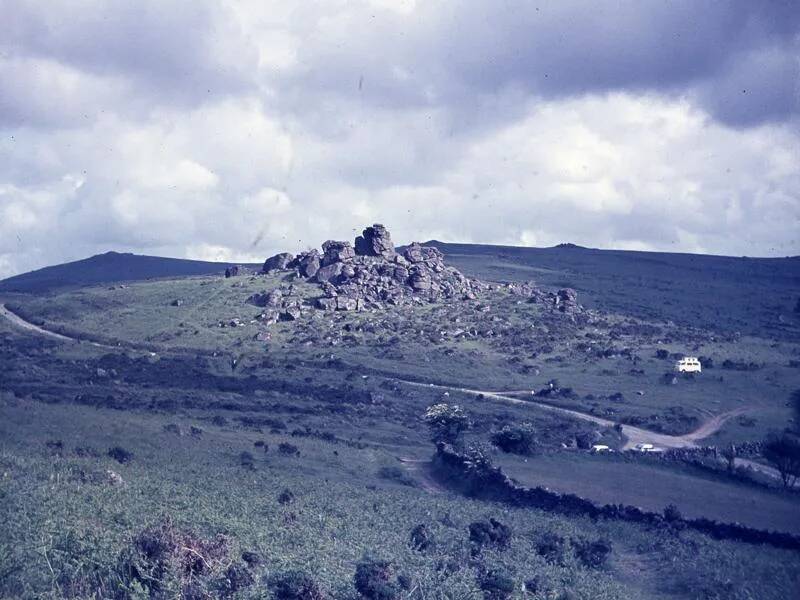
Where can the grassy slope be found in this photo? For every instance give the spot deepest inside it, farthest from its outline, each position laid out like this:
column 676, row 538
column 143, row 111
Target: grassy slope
column 111, row 267
column 751, row 295
column 141, row 312
column 653, row 486
column 55, row 523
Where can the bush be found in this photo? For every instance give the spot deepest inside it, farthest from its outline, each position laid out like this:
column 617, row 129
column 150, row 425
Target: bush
column 491, row 533
column 288, row 449
column 295, row 585
column 421, row 538
column 497, row 585
column 120, row 455
column 374, row 579
column 397, row 474
column 516, row 439
column 247, row 460
column 783, row 451
column 286, row 497
column 446, row 422
column 592, row 554
column 165, row 561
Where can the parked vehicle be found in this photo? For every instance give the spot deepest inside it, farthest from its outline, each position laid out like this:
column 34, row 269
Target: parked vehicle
column 689, row 364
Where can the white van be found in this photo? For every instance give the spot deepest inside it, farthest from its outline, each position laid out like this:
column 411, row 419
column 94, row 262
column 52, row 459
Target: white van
column 643, row 447
column 688, row 364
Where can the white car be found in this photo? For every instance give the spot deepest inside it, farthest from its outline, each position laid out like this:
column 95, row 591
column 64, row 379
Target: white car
column 644, row 447
column 598, row 448
column 689, row 364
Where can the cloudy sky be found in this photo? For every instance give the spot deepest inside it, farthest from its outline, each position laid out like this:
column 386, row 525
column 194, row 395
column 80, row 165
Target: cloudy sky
column 233, row 129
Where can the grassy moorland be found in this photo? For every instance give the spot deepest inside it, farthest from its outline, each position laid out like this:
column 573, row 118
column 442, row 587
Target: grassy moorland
column 196, row 450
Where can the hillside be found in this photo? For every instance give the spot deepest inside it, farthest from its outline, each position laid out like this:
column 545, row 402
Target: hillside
column 111, row 267
column 754, row 296
column 282, row 425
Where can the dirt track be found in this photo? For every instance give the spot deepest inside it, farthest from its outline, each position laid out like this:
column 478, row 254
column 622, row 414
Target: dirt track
column 634, row 435
column 22, row 323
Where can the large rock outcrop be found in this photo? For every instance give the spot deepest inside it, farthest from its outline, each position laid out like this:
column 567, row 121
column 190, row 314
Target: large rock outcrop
column 373, row 275
column 375, row 241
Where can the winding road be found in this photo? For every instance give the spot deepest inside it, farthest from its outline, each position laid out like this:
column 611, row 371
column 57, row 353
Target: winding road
column 634, row 435
column 23, row 324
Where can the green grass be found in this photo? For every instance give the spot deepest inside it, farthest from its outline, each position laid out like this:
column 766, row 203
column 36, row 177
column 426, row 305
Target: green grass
column 614, row 480
column 58, row 528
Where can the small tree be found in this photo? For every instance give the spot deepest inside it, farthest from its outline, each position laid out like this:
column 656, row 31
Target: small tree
column 446, row 422
column 783, row 451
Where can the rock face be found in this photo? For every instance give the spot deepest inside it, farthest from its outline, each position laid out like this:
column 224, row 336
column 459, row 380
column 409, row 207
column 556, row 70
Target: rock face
column 375, row 241
column 277, row 262
column 337, row 252
column 566, row 300
column 373, row 275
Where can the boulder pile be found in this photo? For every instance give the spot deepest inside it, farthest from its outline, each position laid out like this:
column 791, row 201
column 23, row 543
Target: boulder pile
column 372, row 275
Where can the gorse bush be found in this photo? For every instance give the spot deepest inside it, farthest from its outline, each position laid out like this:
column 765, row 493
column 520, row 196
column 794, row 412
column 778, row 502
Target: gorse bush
column 516, row 439
column 165, row 561
column 120, row 455
column 446, row 422
column 375, row 579
column 295, row 585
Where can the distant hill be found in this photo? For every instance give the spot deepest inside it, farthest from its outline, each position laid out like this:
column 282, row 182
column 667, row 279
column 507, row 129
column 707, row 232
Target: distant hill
column 111, row 267
column 751, row 295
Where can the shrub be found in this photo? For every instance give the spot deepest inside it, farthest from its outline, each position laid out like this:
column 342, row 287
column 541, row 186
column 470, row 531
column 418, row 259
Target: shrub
column 247, row 460
column 421, row 537
column 516, row 439
column 173, row 428
column 120, row 455
column 672, row 514
column 288, row 449
column 286, row 497
column 491, row 533
column 446, row 422
column 295, row 585
column 165, row 561
column 397, row 474
column 374, row 579
column 592, row 554
column 783, row 451
column 497, row 585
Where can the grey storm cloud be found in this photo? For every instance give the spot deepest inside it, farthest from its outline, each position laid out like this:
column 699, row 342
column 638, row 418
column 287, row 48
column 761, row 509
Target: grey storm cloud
column 229, row 129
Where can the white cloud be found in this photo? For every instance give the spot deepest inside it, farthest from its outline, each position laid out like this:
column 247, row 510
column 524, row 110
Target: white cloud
column 237, row 129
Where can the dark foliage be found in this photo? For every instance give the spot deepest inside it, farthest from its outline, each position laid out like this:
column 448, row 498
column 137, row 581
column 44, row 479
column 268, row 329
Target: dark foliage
column 295, row 585
column 516, row 439
column 592, row 554
column 421, row 537
column 375, row 579
column 120, row 455
column 490, row 533
column 783, row 451
column 497, row 585
column 288, row 449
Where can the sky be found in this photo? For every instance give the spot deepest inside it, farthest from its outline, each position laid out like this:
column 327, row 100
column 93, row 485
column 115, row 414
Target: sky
column 231, row 130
